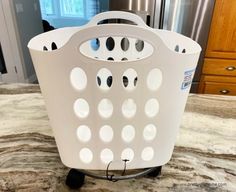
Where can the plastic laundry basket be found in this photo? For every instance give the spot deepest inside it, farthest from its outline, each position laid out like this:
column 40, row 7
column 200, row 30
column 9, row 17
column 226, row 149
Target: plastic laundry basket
column 114, row 91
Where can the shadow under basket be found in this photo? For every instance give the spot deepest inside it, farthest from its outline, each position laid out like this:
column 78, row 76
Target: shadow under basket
column 115, row 94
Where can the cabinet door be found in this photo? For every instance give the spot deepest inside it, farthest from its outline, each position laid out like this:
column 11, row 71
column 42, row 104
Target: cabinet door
column 216, row 84
column 222, row 37
column 213, row 66
column 219, row 88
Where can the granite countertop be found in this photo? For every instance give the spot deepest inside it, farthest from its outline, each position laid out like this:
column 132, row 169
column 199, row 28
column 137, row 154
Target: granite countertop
column 204, row 157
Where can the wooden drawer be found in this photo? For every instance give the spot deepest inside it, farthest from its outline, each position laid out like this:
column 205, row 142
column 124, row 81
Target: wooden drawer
column 223, row 85
column 219, row 67
column 220, row 88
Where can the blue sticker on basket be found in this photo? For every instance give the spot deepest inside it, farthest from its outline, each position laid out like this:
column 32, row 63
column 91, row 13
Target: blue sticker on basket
column 188, row 77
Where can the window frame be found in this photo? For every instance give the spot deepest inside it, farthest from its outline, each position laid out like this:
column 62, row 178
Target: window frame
column 63, row 15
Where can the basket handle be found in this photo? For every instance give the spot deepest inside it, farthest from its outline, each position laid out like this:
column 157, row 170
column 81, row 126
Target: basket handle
column 117, row 15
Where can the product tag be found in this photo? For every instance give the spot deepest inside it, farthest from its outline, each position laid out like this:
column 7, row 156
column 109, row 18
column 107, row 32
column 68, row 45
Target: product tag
column 188, row 77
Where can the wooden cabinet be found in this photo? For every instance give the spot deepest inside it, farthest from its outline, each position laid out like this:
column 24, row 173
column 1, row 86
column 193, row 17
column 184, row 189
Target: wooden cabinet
column 222, row 38
column 223, row 85
column 219, row 68
column 224, row 67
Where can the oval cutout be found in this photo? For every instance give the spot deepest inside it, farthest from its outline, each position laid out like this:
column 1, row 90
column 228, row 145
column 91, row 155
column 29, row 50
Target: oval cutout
column 54, row 46
column 105, row 108
column 81, row 108
column 106, row 155
column 139, row 45
column 124, row 44
column 104, row 79
column 110, row 43
column 127, row 154
column 110, row 59
column 95, row 44
column 109, row 81
column 86, row 155
column 177, row 48
column 154, row 79
column 83, row 133
column 106, row 133
column 130, row 78
column 124, row 59
column 151, row 108
column 78, row 78
column 128, row 133
column 129, row 108
column 149, row 132
column 147, row 154
column 119, row 48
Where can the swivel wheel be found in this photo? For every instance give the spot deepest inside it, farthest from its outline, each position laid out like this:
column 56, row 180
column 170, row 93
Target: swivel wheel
column 156, row 172
column 75, row 179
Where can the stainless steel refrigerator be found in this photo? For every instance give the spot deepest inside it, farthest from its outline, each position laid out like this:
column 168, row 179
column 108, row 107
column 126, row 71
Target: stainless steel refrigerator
column 191, row 18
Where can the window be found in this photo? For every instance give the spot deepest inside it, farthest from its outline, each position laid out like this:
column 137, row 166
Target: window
column 92, row 8
column 65, row 13
column 72, row 8
column 47, row 7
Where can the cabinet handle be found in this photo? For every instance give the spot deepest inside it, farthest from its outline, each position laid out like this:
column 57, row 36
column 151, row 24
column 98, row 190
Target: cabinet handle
column 224, row 91
column 230, row 68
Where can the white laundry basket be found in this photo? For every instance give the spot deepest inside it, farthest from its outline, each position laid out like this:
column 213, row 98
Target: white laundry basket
column 114, row 91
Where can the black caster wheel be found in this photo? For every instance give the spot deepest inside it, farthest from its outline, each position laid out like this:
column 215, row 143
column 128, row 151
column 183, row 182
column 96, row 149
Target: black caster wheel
column 156, row 172
column 75, row 179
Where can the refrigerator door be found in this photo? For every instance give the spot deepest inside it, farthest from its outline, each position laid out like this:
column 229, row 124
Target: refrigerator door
column 144, row 8
column 191, row 18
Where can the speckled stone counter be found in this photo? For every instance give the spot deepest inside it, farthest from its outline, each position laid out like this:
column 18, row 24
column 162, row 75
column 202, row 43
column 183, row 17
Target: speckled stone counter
column 204, row 157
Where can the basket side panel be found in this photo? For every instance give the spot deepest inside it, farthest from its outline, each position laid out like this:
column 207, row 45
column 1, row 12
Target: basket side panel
column 54, row 70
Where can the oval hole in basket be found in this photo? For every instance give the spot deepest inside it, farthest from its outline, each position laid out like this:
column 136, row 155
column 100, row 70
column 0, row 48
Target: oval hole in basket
column 110, row 43
column 86, row 155
column 106, row 155
column 147, row 154
column 177, row 48
column 106, row 133
column 125, row 81
column 95, row 44
column 129, row 108
column 83, row 133
column 135, row 81
column 122, row 51
column 104, row 79
column 105, row 108
column 151, row 107
column 117, row 21
column 99, row 81
column 130, row 78
column 110, row 59
column 154, row 79
column 127, row 154
column 81, row 108
column 53, row 46
column 45, row 48
column 149, row 132
column 124, row 44
column 78, row 78
column 109, row 81
column 128, row 133
column 139, row 45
